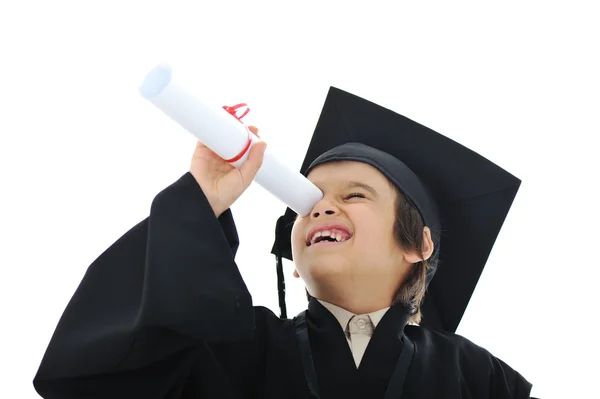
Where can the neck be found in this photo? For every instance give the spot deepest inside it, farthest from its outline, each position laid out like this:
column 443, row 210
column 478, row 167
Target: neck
column 355, row 304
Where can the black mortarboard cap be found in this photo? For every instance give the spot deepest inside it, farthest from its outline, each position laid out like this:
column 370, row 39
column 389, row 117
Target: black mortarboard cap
column 463, row 197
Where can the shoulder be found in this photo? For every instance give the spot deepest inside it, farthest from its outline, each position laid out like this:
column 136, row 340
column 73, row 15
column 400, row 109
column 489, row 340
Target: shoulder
column 476, row 366
column 270, row 324
column 446, row 344
column 266, row 315
column 269, row 332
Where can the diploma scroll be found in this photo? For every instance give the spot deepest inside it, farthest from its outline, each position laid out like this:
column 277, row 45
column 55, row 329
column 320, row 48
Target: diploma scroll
column 223, row 133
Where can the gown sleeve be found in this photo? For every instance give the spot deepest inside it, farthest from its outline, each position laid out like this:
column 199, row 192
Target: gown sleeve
column 140, row 320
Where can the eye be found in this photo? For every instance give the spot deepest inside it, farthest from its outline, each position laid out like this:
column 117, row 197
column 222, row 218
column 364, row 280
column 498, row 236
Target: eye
column 353, row 195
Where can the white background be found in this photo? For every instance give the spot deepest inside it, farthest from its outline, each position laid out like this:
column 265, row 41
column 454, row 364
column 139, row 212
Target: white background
column 82, row 155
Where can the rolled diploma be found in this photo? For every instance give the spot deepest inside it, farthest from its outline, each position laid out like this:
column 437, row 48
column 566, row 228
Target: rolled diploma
column 227, row 137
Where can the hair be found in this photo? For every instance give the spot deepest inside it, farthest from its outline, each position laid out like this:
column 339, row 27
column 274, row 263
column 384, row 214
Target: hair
column 408, row 232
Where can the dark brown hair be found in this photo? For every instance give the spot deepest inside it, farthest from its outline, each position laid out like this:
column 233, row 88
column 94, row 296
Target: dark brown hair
column 408, row 231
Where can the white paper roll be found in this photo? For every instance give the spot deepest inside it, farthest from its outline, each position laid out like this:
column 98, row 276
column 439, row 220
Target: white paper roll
column 227, row 137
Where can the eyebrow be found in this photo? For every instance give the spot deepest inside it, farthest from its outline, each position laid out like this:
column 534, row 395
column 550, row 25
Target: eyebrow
column 354, row 184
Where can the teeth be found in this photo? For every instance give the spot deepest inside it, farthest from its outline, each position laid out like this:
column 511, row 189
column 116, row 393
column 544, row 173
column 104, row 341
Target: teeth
column 317, row 235
column 338, row 236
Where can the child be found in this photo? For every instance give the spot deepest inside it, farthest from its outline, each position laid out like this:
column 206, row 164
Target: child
column 164, row 312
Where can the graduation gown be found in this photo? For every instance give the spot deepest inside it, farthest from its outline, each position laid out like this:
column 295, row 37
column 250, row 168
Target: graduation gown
column 165, row 313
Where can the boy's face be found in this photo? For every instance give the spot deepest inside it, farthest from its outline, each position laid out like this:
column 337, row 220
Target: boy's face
column 361, row 255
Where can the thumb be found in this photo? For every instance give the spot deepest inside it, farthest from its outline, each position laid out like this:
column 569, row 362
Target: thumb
column 254, row 162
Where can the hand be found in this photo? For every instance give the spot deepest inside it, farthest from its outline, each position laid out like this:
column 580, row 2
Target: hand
column 221, row 182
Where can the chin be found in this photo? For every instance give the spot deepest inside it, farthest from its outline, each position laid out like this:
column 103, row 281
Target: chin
column 327, row 266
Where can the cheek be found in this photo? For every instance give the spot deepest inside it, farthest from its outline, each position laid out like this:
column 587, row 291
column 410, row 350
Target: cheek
column 376, row 236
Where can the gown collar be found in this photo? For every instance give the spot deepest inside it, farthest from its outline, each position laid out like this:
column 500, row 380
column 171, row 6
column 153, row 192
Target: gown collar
column 333, row 358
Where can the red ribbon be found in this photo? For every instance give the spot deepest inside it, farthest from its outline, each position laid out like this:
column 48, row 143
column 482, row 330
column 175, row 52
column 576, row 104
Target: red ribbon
column 233, row 111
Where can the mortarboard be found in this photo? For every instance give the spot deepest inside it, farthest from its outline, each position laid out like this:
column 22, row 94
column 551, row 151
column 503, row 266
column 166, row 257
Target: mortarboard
column 463, row 197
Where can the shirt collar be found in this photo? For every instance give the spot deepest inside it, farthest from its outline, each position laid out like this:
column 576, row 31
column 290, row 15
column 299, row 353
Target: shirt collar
column 343, row 316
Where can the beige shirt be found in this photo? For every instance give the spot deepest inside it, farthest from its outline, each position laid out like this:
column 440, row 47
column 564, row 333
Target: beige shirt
column 357, row 328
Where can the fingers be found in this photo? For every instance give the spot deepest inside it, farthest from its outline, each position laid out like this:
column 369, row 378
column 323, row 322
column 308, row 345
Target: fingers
column 253, row 163
column 254, row 130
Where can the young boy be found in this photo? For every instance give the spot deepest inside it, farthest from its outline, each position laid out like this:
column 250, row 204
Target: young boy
column 164, row 312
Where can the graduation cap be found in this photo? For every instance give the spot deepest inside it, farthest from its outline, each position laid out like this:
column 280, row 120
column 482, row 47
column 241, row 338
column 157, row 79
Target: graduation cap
column 463, row 197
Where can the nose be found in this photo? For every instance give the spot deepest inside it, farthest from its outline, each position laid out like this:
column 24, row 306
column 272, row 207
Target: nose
column 324, row 207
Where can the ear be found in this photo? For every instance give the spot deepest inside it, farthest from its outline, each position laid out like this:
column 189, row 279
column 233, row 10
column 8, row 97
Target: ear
column 413, row 256
column 296, row 273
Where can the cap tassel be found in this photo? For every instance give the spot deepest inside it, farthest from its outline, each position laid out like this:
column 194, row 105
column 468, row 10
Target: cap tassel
column 281, row 287
column 280, row 277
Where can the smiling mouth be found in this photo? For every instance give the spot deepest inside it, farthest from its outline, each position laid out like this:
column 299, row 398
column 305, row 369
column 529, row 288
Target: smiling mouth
column 328, row 237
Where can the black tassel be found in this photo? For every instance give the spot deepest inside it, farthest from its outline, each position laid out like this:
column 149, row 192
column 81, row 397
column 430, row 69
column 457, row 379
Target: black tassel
column 280, row 277
column 281, row 286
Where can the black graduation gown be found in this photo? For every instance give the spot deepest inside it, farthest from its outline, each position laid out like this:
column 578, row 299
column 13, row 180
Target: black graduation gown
column 165, row 313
